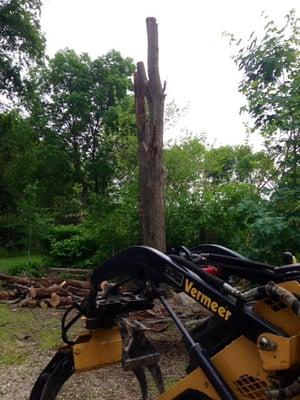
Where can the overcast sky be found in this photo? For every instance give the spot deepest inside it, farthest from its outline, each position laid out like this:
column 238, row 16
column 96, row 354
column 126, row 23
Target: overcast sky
column 195, row 59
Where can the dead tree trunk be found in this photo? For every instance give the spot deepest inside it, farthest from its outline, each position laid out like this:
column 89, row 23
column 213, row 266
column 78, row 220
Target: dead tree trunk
column 150, row 98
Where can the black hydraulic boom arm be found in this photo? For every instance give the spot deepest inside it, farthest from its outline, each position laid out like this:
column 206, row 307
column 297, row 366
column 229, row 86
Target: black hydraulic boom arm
column 149, row 265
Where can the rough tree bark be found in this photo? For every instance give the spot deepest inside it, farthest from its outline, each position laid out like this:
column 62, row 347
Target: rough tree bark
column 150, row 98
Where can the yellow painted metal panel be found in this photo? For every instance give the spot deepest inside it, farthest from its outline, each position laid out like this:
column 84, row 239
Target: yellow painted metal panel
column 98, row 348
column 285, row 356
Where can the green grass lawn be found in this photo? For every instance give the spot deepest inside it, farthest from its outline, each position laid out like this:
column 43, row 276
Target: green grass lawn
column 7, row 262
column 24, row 332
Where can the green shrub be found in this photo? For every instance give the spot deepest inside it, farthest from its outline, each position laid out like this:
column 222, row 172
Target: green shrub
column 71, row 246
column 61, row 232
column 33, row 269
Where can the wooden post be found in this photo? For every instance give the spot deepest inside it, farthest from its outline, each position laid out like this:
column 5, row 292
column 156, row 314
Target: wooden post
column 150, row 98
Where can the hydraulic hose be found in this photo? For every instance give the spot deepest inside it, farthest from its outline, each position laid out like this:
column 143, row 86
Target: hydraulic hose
column 274, row 291
column 212, row 279
column 289, row 392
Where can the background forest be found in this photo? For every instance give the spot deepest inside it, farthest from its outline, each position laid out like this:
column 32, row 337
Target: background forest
column 68, row 152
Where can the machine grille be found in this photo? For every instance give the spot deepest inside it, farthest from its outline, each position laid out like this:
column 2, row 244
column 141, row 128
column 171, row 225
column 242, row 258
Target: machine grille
column 251, row 387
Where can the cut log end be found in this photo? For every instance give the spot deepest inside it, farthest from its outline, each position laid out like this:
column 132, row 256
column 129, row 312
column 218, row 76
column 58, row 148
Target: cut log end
column 60, row 301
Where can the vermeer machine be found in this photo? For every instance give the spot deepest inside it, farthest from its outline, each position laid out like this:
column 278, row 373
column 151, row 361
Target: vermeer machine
column 248, row 349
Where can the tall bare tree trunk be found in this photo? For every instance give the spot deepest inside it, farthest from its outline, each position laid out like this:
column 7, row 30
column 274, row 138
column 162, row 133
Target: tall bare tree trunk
column 150, row 98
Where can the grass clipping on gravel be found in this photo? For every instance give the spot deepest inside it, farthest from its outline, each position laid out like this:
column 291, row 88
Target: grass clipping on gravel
column 24, row 332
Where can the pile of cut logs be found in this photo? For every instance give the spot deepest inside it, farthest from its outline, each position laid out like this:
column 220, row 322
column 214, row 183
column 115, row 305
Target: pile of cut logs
column 43, row 292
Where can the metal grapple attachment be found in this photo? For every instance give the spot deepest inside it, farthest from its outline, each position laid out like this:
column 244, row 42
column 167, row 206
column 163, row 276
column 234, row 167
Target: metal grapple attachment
column 104, row 344
column 138, row 354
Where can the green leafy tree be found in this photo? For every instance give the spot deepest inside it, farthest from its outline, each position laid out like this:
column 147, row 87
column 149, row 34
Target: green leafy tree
column 21, row 42
column 35, row 182
column 81, row 118
column 84, row 103
column 271, row 85
column 205, row 188
column 265, row 232
column 17, row 158
column 25, row 160
column 227, row 164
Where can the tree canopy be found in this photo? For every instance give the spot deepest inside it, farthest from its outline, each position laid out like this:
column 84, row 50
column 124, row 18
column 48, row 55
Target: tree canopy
column 271, row 85
column 21, row 42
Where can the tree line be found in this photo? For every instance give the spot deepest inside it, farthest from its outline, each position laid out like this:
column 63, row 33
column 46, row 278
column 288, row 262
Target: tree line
column 68, row 152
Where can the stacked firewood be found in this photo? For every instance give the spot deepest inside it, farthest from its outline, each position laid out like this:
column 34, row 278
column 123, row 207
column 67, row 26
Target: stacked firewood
column 43, row 292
